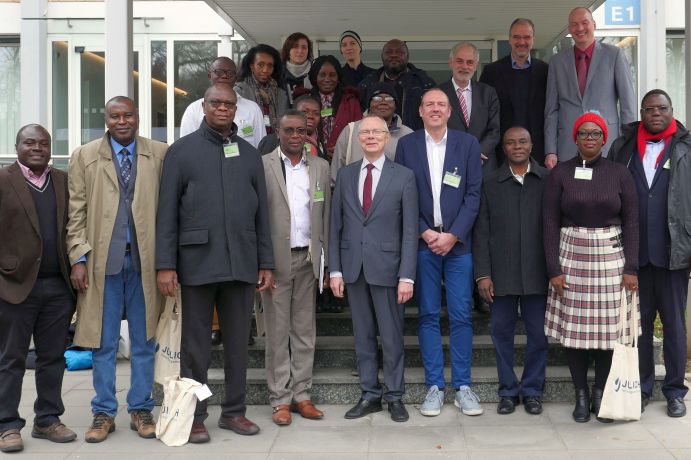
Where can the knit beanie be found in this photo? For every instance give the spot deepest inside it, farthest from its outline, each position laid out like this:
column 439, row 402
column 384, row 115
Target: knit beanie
column 593, row 117
column 353, row 35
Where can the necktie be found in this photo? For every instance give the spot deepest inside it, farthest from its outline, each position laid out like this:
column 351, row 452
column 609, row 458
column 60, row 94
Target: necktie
column 464, row 106
column 126, row 167
column 582, row 73
column 367, row 190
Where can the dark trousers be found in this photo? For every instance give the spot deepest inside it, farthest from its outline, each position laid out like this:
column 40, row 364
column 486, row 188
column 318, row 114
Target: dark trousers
column 46, row 314
column 234, row 303
column 579, row 362
column 663, row 291
column 371, row 307
column 504, row 315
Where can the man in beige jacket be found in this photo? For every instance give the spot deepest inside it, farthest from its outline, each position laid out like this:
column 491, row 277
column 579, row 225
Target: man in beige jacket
column 113, row 185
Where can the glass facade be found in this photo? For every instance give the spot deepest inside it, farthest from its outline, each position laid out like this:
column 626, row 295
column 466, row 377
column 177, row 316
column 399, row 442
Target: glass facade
column 676, row 75
column 159, row 96
column 10, row 91
column 60, row 95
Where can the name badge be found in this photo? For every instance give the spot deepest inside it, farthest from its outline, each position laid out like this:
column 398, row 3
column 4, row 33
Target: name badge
column 267, row 120
column 247, row 130
column 231, row 150
column 667, row 165
column 583, row 174
column 452, row 179
column 318, row 195
column 327, row 112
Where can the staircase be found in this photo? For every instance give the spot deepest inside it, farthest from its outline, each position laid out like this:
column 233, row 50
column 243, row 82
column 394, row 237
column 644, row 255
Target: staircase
column 335, row 359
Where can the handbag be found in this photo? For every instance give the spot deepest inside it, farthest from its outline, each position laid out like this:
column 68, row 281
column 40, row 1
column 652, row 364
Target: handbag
column 621, row 398
column 168, row 331
column 177, row 411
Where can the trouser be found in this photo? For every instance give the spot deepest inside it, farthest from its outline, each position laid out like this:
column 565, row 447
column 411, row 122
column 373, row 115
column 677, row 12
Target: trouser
column 504, row 315
column 458, row 280
column 371, row 307
column 579, row 362
column 289, row 317
column 46, row 314
column 233, row 300
column 663, row 291
column 123, row 293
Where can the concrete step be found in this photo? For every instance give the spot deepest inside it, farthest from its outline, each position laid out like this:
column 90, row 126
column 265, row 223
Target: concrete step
column 339, row 352
column 338, row 386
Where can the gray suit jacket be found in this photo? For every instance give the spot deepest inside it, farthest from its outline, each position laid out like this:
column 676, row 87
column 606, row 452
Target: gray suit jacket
column 609, row 82
column 279, row 211
column 382, row 244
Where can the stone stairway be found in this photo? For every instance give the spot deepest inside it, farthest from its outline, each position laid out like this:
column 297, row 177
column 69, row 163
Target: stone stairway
column 335, row 359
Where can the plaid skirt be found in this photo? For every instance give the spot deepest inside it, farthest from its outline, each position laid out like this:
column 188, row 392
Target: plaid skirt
column 587, row 315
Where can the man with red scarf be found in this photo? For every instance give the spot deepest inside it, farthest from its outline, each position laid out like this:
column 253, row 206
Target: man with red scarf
column 657, row 151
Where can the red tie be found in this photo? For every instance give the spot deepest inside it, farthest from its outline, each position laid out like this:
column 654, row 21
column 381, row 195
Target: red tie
column 367, row 190
column 582, row 73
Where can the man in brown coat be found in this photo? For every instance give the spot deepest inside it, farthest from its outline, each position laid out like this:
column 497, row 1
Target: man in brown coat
column 35, row 297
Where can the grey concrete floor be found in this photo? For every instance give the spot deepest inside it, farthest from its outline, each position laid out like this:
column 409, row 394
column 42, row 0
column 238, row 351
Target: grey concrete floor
column 552, row 435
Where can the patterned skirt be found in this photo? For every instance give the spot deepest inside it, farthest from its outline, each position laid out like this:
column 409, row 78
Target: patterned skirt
column 587, row 315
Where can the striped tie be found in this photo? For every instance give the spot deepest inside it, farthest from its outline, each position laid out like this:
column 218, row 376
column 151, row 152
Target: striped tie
column 464, row 106
column 126, row 167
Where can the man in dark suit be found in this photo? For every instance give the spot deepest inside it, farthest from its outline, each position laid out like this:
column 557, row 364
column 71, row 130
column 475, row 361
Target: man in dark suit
column 520, row 81
column 474, row 105
column 372, row 251
column 448, row 174
column 35, row 294
column 213, row 237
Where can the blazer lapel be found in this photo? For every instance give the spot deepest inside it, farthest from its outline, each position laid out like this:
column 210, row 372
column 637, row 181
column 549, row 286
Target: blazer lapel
column 594, row 64
column 384, row 180
column 275, row 161
column 106, row 153
column 422, row 158
column 665, row 158
column 19, row 184
column 455, row 104
column 570, row 63
column 451, row 164
column 476, row 99
column 355, row 184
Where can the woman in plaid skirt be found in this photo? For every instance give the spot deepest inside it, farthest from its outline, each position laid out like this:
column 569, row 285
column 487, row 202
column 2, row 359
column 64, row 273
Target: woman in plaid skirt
column 591, row 247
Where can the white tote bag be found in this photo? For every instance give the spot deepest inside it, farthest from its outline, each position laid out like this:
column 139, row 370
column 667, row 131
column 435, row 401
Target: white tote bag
column 168, row 333
column 621, row 398
column 177, row 412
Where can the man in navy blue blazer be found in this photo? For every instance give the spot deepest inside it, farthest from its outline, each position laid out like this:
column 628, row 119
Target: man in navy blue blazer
column 448, row 172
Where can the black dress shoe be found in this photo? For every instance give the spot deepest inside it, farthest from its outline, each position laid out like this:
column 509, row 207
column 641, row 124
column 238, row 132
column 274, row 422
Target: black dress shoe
column 398, row 411
column 507, row 404
column 216, row 338
column 645, row 399
column 676, row 407
column 595, row 403
column 532, row 404
column 581, row 413
column 362, row 408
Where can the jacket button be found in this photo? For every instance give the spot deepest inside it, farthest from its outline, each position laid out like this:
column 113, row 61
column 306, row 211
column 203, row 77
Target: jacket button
column 650, row 196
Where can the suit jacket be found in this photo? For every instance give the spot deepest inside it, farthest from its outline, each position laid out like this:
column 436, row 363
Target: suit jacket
column 459, row 206
column 498, row 75
column 484, row 117
column 609, row 83
column 20, row 235
column 94, row 197
column 279, row 211
column 382, row 244
column 212, row 224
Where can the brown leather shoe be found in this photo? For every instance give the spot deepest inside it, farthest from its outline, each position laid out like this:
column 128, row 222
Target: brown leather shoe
column 307, row 410
column 281, row 415
column 199, row 434
column 11, row 441
column 143, row 423
column 57, row 432
column 240, row 424
column 100, row 428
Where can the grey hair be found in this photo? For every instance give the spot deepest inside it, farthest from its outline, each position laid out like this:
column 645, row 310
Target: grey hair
column 460, row 45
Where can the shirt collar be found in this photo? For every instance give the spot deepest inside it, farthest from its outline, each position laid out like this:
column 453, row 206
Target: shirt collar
column 287, row 161
column 30, row 175
column 117, row 147
column 520, row 177
column 514, row 64
column 378, row 164
column 467, row 88
column 588, row 51
column 429, row 138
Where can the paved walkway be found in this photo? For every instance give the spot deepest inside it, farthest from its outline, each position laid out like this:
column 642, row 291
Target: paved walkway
column 552, row 435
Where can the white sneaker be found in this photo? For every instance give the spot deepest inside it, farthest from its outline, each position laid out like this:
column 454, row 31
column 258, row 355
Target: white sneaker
column 467, row 401
column 433, row 402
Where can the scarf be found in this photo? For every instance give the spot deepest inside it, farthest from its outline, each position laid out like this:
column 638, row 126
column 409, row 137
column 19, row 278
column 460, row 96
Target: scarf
column 313, row 143
column 327, row 122
column 299, row 70
column 266, row 96
column 643, row 135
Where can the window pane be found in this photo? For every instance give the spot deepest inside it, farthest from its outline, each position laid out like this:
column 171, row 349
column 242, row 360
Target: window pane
column 10, row 90
column 93, row 95
column 60, row 99
column 192, row 61
column 159, row 107
column 676, row 75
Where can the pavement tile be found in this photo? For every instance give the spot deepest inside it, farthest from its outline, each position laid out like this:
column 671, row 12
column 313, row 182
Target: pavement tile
column 519, row 455
column 625, row 454
column 318, row 456
column 448, row 417
column 512, row 437
column 326, row 439
column 454, row 455
column 599, row 436
column 681, row 454
column 676, row 434
column 119, row 456
column 492, row 418
column 425, row 439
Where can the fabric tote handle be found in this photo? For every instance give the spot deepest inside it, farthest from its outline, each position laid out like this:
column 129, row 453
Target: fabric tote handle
column 623, row 322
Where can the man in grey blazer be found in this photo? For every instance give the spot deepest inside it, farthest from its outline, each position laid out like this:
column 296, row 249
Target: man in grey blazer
column 589, row 76
column 373, row 250
column 299, row 195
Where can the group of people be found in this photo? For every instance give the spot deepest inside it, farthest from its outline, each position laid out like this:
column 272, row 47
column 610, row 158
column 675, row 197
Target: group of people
column 289, row 178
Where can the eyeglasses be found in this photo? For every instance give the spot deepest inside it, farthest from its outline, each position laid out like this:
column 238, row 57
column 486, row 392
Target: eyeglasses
column 583, row 135
column 662, row 109
column 382, row 98
column 224, row 72
column 291, row 131
column 373, row 132
column 215, row 103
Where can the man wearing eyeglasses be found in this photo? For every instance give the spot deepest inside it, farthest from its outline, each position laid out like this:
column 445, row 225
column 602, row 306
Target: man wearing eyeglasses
column 213, row 239
column 248, row 116
column 299, row 197
column 372, row 246
column 657, row 151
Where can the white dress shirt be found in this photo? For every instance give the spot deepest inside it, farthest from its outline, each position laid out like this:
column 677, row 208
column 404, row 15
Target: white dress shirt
column 652, row 151
column 248, row 117
column 436, row 153
column 467, row 93
column 298, row 187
